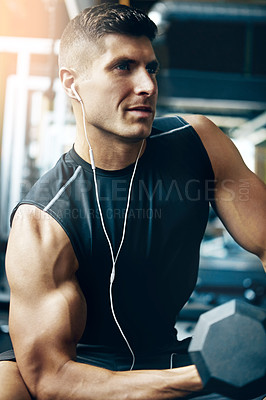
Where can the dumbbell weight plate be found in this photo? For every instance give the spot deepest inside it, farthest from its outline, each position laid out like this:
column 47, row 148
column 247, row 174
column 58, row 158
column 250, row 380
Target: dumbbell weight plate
column 229, row 350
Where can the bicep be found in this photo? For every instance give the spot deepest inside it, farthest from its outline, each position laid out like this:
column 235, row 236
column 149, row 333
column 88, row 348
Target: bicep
column 47, row 308
column 240, row 202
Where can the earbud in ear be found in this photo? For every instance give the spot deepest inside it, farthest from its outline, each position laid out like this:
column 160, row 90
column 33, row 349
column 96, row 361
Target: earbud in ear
column 75, row 92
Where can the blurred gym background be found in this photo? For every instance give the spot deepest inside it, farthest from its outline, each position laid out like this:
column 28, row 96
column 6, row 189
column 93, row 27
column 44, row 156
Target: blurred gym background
column 213, row 62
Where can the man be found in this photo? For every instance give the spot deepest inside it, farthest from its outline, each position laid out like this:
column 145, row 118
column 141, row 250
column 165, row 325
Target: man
column 106, row 245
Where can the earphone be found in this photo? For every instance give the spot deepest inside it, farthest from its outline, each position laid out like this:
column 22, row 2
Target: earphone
column 114, row 257
column 75, row 93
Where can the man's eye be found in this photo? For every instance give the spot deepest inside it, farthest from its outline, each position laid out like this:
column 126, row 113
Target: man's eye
column 123, row 67
column 152, row 71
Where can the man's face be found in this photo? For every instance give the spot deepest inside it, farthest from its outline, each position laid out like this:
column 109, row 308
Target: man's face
column 119, row 91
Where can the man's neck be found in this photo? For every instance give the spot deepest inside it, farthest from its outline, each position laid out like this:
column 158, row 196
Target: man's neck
column 110, row 156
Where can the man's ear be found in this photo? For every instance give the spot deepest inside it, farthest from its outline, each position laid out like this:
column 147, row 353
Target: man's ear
column 67, row 78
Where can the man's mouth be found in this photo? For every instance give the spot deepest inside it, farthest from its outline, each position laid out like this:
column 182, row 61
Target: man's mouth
column 140, row 110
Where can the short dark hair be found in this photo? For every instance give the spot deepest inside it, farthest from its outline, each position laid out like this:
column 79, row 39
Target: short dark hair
column 107, row 18
column 95, row 22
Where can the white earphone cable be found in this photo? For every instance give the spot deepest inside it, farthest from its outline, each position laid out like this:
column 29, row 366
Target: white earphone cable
column 114, row 258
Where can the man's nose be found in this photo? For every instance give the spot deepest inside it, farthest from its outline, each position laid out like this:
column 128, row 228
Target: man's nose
column 145, row 83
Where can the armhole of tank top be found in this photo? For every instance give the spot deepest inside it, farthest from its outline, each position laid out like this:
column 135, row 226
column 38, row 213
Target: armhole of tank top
column 202, row 147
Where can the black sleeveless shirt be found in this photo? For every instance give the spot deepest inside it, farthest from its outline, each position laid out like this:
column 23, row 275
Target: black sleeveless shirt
column 157, row 267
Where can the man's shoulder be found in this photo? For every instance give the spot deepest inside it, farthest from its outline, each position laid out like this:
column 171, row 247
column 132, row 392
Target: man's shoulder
column 55, row 177
column 63, row 167
column 168, row 124
column 219, row 147
column 49, row 185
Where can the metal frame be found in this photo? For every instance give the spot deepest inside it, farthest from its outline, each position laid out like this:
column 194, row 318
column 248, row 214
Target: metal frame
column 15, row 118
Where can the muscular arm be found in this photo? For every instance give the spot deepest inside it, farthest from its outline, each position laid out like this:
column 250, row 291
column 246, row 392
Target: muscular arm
column 240, row 196
column 47, row 318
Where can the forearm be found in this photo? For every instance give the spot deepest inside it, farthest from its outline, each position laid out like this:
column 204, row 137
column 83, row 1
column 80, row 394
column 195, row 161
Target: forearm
column 83, row 382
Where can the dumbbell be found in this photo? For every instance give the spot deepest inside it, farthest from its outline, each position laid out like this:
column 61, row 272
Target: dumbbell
column 229, row 350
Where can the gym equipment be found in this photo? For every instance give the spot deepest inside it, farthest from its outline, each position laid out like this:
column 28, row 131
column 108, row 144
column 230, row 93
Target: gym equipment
column 229, row 350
